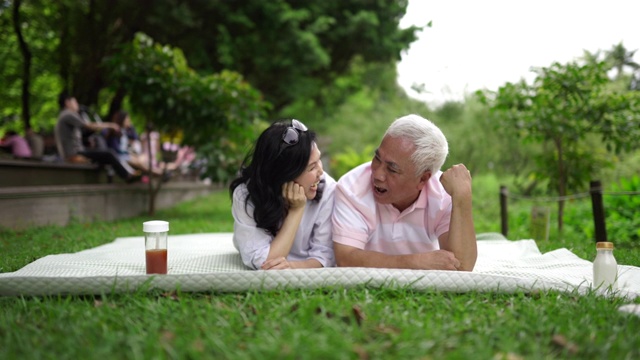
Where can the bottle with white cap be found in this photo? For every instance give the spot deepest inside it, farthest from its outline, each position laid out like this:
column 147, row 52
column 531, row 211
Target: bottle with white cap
column 605, row 267
column 155, row 240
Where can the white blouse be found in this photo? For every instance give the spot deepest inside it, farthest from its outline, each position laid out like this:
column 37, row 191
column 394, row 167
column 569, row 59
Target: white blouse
column 313, row 239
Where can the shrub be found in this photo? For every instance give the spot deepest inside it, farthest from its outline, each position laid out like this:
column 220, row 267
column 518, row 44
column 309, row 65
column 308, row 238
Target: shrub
column 622, row 211
column 342, row 162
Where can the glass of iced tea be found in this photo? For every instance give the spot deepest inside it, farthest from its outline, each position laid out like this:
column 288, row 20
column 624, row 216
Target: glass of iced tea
column 155, row 240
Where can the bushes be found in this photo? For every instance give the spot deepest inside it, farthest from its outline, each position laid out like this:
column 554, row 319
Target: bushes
column 622, row 211
column 350, row 158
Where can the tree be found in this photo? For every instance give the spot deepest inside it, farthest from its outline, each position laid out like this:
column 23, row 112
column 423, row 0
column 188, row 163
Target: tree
column 26, row 68
column 619, row 58
column 28, row 74
column 591, row 58
column 563, row 109
column 287, row 49
column 220, row 109
column 290, row 49
column 469, row 128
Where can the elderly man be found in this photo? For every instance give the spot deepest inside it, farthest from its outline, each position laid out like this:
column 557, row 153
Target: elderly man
column 400, row 210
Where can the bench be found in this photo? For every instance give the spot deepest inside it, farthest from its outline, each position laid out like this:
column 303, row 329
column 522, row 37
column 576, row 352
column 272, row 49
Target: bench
column 17, row 173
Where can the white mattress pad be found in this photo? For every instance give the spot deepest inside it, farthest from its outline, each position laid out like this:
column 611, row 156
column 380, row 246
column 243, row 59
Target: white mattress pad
column 209, row 262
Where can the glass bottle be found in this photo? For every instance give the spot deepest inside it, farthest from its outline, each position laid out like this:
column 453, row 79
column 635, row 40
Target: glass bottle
column 155, row 234
column 605, row 267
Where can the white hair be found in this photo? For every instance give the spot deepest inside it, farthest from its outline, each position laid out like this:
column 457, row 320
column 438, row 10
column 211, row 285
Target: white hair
column 431, row 147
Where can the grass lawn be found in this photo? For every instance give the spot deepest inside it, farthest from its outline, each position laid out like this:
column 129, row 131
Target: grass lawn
column 332, row 323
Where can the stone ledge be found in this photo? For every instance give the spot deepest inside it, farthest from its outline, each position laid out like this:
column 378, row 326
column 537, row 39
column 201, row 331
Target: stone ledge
column 22, row 207
column 46, row 165
column 39, row 173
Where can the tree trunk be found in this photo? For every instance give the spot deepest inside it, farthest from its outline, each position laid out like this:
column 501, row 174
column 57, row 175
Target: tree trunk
column 64, row 51
column 152, row 194
column 26, row 66
column 116, row 103
column 154, row 191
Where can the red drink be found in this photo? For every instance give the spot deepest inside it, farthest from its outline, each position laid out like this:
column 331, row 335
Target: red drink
column 156, row 261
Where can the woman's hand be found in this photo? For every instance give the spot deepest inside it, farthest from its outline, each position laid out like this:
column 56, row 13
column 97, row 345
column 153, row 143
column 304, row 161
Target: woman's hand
column 276, row 264
column 280, row 247
column 294, row 195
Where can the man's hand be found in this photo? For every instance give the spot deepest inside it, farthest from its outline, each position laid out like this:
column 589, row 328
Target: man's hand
column 432, row 260
column 457, row 181
column 101, row 126
column 435, row 260
column 461, row 237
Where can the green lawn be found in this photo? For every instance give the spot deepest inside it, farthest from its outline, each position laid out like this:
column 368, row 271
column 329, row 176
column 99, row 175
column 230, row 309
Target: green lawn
column 336, row 323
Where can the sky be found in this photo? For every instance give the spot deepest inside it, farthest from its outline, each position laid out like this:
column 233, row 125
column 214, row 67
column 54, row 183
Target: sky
column 484, row 44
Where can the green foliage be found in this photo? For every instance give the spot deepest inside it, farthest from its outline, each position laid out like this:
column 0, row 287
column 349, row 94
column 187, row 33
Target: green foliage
column 359, row 123
column 566, row 105
column 578, row 233
column 215, row 113
column 469, row 130
column 291, row 50
column 35, row 22
column 288, row 50
column 622, row 212
column 225, row 155
column 619, row 57
column 342, row 162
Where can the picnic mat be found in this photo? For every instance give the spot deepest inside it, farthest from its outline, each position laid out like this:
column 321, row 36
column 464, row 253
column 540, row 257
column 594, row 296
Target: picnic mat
column 209, row 262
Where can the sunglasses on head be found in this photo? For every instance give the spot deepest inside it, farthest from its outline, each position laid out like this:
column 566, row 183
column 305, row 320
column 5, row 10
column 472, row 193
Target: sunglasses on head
column 291, row 134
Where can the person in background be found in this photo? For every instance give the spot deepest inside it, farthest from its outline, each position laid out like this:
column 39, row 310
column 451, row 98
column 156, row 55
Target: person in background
column 68, row 134
column 125, row 140
column 282, row 202
column 18, row 145
column 400, row 210
column 36, row 144
column 182, row 156
column 126, row 143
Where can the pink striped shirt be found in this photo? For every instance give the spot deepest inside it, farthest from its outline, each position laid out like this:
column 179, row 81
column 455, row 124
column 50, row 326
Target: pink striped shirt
column 360, row 222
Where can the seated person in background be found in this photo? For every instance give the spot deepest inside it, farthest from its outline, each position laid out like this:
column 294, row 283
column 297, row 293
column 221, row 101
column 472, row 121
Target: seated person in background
column 182, row 157
column 17, row 145
column 400, row 211
column 68, row 134
column 179, row 157
column 282, row 202
column 126, row 143
column 36, row 144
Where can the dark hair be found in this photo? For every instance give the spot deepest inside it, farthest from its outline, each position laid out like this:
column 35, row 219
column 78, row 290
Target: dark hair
column 269, row 165
column 117, row 118
column 62, row 99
